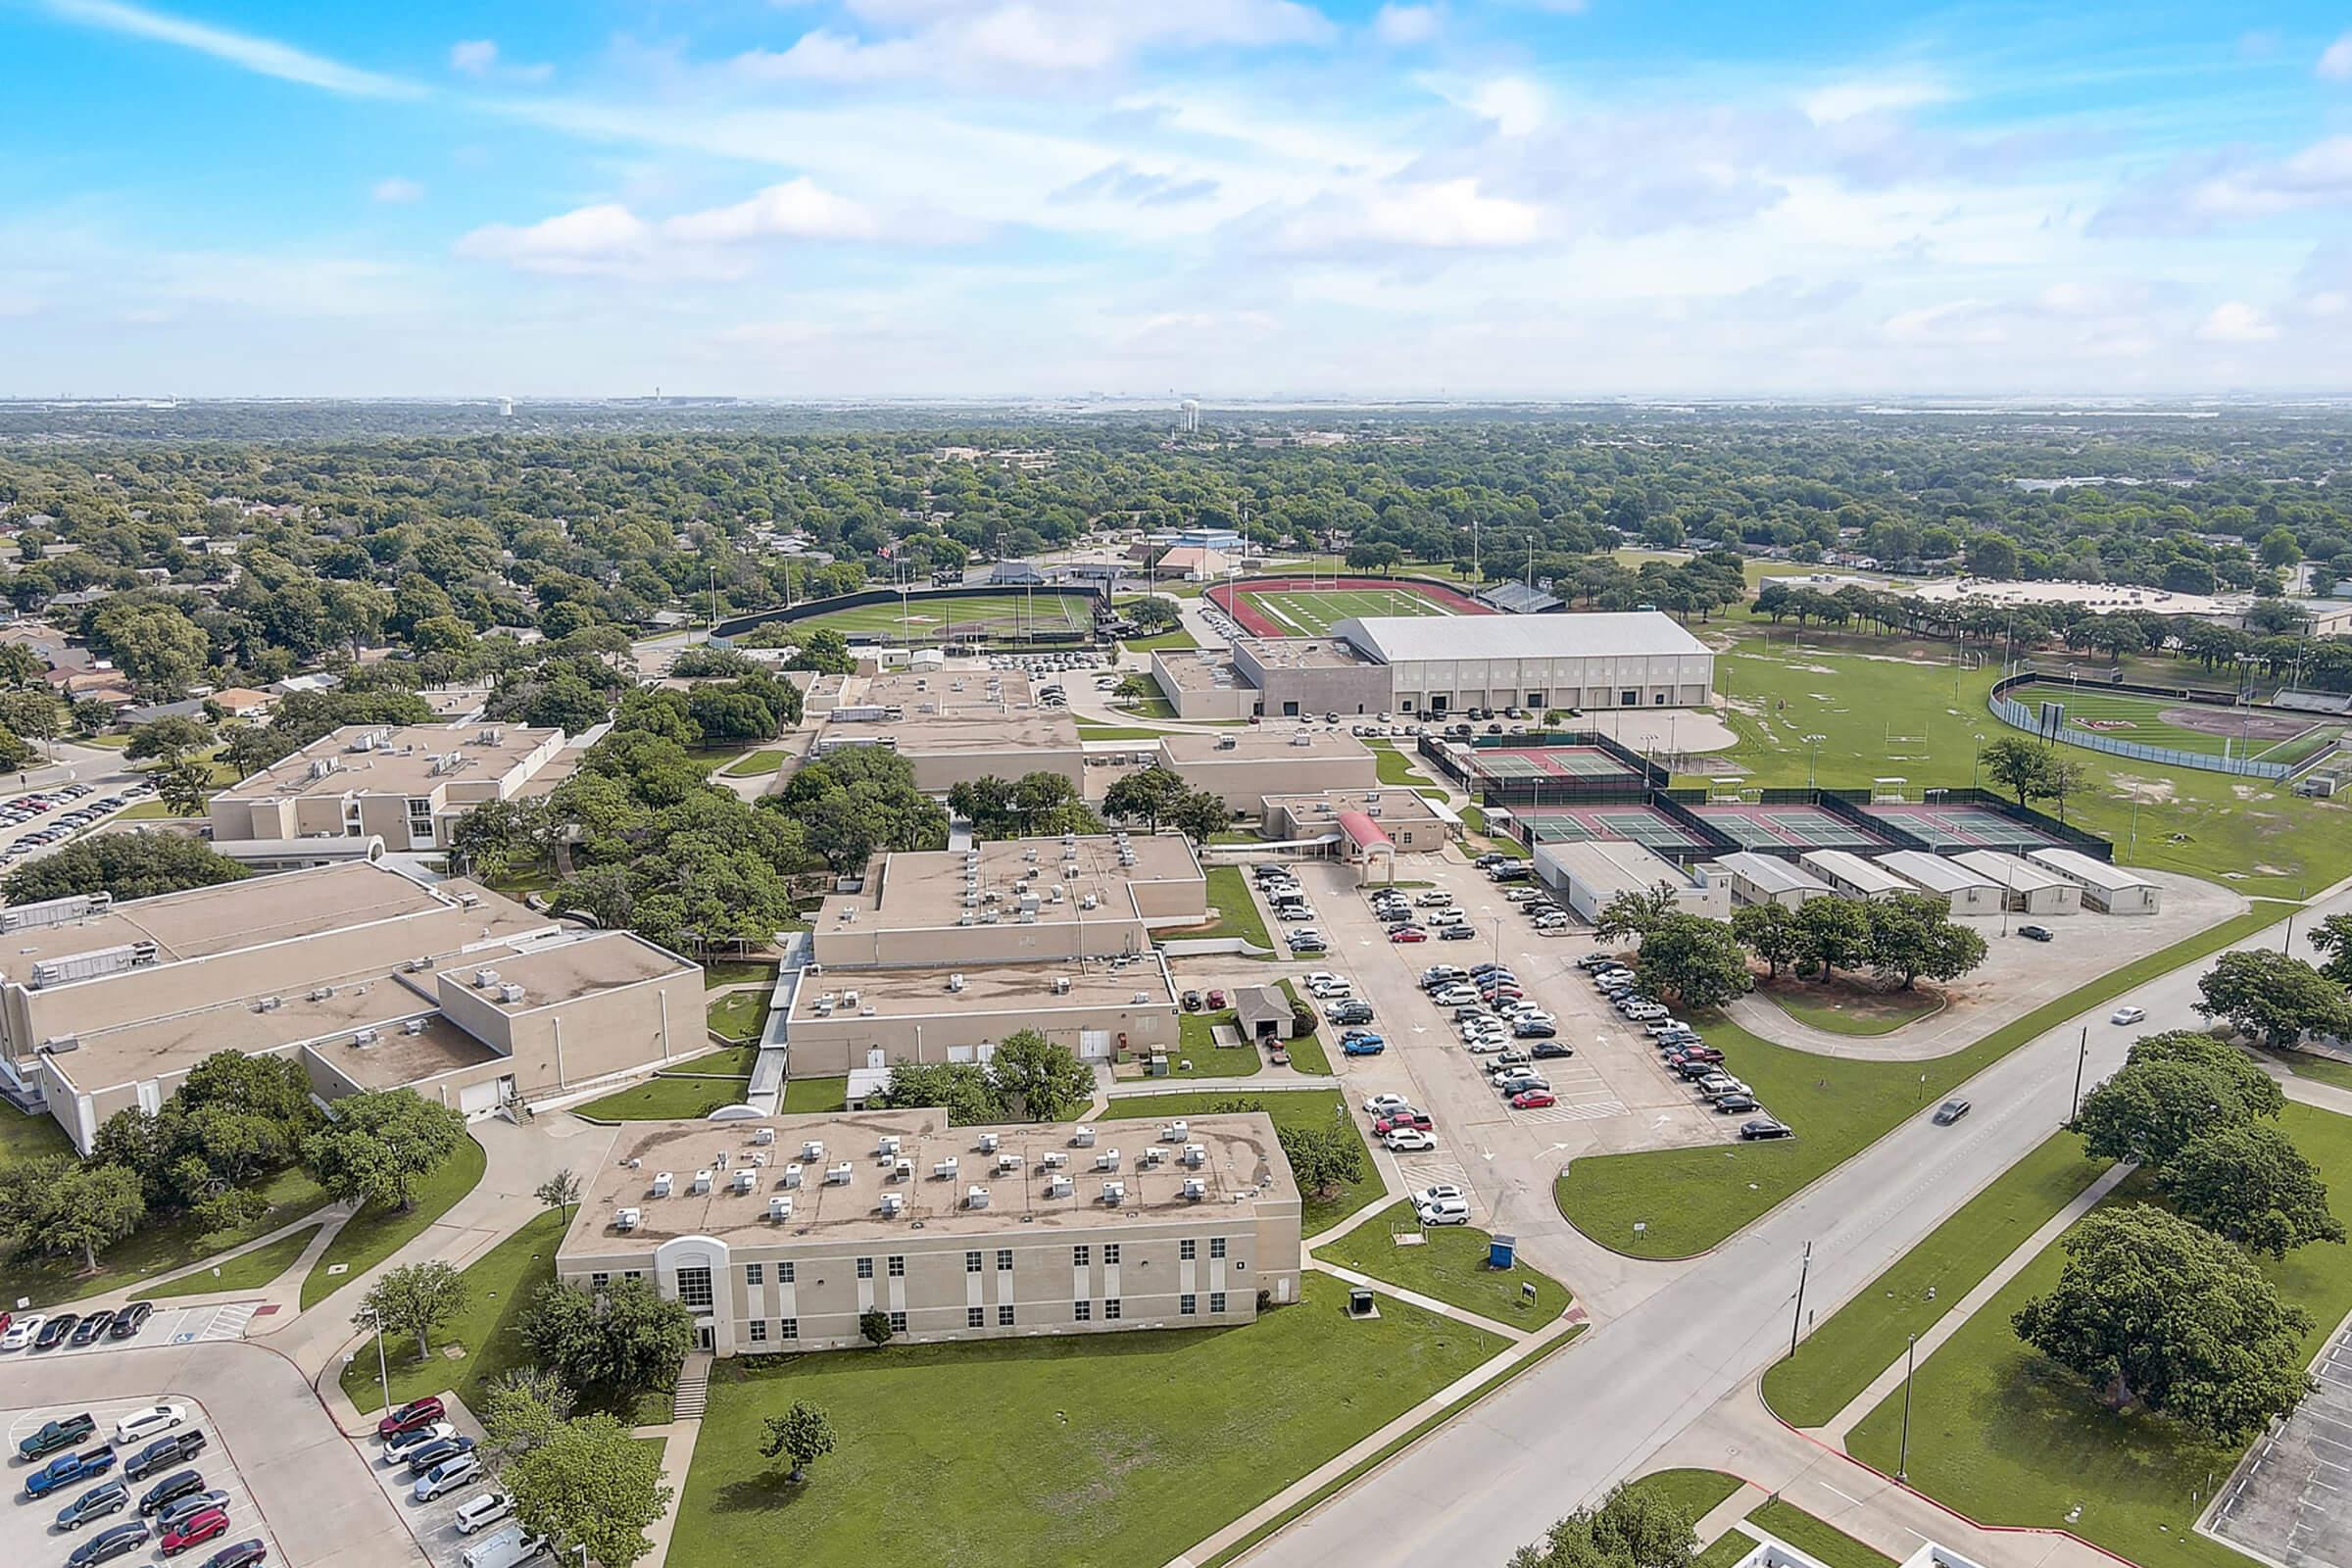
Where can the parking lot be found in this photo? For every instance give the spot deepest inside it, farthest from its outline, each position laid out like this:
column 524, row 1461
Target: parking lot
column 169, row 1325
column 2287, row 1500
column 28, row 1534
column 434, row 1523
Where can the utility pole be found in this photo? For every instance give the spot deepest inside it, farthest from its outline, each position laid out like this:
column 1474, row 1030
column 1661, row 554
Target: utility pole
column 1798, row 1322
column 2082, row 1057
column 1902, row 1463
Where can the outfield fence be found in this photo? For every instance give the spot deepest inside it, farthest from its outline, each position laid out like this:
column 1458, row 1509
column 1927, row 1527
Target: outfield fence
column 2018, row 716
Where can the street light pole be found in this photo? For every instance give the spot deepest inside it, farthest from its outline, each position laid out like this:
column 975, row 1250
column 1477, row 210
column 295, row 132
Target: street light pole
column 1796, row 1322
column 1902, row 1463
column 382, row 1372
column 2080, row 1059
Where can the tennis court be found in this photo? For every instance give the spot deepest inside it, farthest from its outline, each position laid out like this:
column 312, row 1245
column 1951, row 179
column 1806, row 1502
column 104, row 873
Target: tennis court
column 1958, row 827
column 1786, row 827
column 1298, row 607
column 959, row 618
column 1551, row 761
column 1645, row 825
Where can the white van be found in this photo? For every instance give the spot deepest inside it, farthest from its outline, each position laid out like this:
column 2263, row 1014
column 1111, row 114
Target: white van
column 505, row 1550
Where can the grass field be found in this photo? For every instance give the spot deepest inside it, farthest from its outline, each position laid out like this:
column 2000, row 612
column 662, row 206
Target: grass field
column 752, row 763
column 1306, row 1051
column 247, row 1271
column 1313, row 612
column 1824, row 1543
column 1849, row 1007
column 1196, row 1041
column 1694, row 1198
column 27, row 1136
column 930, row 619
column 374, row 1233
column 1863, row 1338
column 498, row 1288
column 808, row 1095
column 661, row 1099
column 1288, row 1108
column 740, row 1015
column 1732, row 1546
column 2142, row 721
column 1449, row 1265
column 1091, row 1449
column 2007, row 1439
column 1238, row 913
column 154, row 1249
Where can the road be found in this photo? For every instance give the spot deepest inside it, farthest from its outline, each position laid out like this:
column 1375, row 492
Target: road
column 1561, row 1434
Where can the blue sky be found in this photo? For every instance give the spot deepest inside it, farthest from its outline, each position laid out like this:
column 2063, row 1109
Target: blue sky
column 1220, row 198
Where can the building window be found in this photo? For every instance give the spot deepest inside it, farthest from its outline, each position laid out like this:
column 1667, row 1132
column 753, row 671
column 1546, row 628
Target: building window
column 1187, row 1306
column 1003, row 1260
column 634, row 1274
column 865, row 1268
column 975, row 1317
column 1535, row 700
column 971, row 1262
column 694, row 1287
column 758, row 1330
column 1628, row 699
column 1005, row 1318
column 1081, row 1257
column 1188, row 1249
column 898, row 1322
column 754, row 1273
column 783, row 1273
column 1082, row 1310
column 898, row 1268
column 1216, row 1246
column 1658, row 700
column 1110, row 1253
column 789, row 1329
column 598, row 1282
column 1110, row 1308
column 1216, row 1300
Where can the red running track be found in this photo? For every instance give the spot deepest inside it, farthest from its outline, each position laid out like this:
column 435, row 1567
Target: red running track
column 1248, row 618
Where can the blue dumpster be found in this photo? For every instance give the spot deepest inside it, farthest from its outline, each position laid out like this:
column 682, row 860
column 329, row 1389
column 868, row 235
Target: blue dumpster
column 1502, row 1251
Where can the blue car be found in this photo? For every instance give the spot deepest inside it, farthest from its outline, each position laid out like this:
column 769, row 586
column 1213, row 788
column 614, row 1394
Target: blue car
column 1363, row 1046
column 68, row 1468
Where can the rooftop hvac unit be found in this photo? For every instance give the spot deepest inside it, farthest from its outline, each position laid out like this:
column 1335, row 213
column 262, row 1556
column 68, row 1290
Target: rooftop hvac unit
column 1059, row 1187
column 1195, row 1155
column 989, row 917
column 722, row 1159
column 955, row 981
column 975, row 1197
column 1302, row 738
column 321, row 993
column 1108, row 1159
column 1082, row 1138
column 1008, row 1162
column 971, row 901
column 763, row 1135
column 510, row 993
column 1114, row 1194
column 965, row 919
column 759, row 1156
column 1053, row 1159
column 1062, row 985
column 892, row 1205
column 945, row 1170
column 663, row 1183
column 1028, row 917
column 470, row 900
column 701, row 1182
column 779, row 1208
column 1149, row 1159
column 269, row 1004
column 901, row 1169
column 989, row 1143
column 625, row 1220
column 1174, row 1131
column 849, row 999
column 55, row 911
column 743, row 1179
column 1195, row 1189
column 418, row 965
column 413, row 1026
column 888, row 1147
column 1053, row 894
column 813, row 1151
column 1088, row 901
column 1142, row 997
column 321, row 767
column 1226, row 743
column 839, row 1175
column 792, row 1176
column 62, row 1043
column 1029, row 854
column 484, row 979
column 363, row 1037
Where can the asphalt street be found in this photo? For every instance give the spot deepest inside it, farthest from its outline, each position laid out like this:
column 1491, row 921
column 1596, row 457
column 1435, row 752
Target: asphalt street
column 1561, row 1434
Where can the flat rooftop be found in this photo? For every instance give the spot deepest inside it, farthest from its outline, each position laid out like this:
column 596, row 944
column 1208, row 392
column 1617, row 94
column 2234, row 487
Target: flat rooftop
column 395, row 760
column 1381, row 804
column 921, row 993
column 954, row 710
column 1770, row 873
column 919, row 889
column 1933, row 871
column 1194, row 671
column 176, row 1042
column 1263, row 742
column 1303, row 653
column 1241, row 1162
column 564, row 971
column 397, row 1060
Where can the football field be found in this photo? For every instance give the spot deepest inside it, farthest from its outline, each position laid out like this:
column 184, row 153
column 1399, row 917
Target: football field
column 960, row 617
column 1296, row 608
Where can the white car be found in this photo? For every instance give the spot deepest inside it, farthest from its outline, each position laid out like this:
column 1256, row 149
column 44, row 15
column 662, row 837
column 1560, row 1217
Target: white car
column 1443, row 1192
column 20, row 1332
column 1433, row 898
column 447, row 1476
column 140, row 1425
column 1442, row 1211
column 1382, row 1105
column 1456, row 995
column 2124, row 1016
column 1485, row 1044
column 1407, row 1140
column 1325, row 985
column 483, row 1509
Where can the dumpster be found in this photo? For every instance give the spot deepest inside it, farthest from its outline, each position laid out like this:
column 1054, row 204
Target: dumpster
column 1502, row 1251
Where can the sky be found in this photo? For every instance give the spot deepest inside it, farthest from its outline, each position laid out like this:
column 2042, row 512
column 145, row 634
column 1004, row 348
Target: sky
column 1511, row 199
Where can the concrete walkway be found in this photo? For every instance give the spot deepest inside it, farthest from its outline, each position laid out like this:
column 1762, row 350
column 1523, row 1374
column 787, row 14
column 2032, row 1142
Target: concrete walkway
column 1265, row 1078
column 1428, row 1304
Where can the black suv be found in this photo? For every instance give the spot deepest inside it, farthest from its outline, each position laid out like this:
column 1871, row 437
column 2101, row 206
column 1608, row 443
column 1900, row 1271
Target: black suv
column 164, row 1451
column 174, row 1487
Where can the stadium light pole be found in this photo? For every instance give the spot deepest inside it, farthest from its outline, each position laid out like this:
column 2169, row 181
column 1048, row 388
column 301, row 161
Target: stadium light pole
column 1812, row 759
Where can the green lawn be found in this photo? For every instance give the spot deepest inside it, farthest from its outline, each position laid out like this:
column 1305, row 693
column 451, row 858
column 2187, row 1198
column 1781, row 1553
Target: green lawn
column 2306, row 1064
column 1850, row 1007
column 1825, row 1542
column 740, row 1015
column 1314, row 611
column 158, row 1249
column 1449, row 1265
column 1396, row 768
column 1196, row 1040
column 1119, row 732
column 1179, row 638
column 2008, row 1439
column 1154, row 705
column 377, row 1233
column 1238, row 913
column 1839, row 1359
column 1091, row 1448
column 1306, row 1051
column 498, row 1289
column 1732, row 1546
column 666, row 1099
column 29, row 1135
column 1289, row 1108
column 2142, row 721
column 1001, row 619
column 808, row 1096
column 1698, row 1492
column 247, row 1271
column 727, row 1061
column 753, row 763
column 1693, row 1199
column 719, row 972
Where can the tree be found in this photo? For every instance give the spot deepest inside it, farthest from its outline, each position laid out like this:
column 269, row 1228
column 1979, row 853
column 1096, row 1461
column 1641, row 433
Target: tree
column 875, row 1324
column 1323, row 1158
column 1833, row 934
column 803, row 1434
column 2152, row 1310
column 1696, row 961
column 1769, row 931
column 1200, row 816
column 20, row 665
column 523, row 1408
column 2334, row 938
column 1153, row 613
column 380, row 1142
column 31, row 714
column 1912, row 934
column 65, row 1205
column 2168, row 1096
column 413, row 1298
column 2062, row 777
column 626, row 1337
column 962, row 1087
column 125, row 866
column 1633, row 912
column 2273, row 998
column 183, row 786
column 589, row 1484
column 2019, row 764
column 559, row 1192
column 1635, row 1527
column 156, row 645
column 825, row 652
column 1151, row 794
column 1039, row 1077
column 169, row 740
column 2253, row 1186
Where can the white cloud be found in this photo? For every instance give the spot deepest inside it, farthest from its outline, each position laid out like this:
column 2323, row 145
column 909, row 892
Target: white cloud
column 608, row 238
column 795, row 210
column 266, row 57
column 1515, row 105
column 479, row 57
column 1004, row 40
column 1440, row 215
column 2236, row 322
column 1402, row 24
column 1851, row 100
column 396, row 190
column 2336, row 61
column 603, row 238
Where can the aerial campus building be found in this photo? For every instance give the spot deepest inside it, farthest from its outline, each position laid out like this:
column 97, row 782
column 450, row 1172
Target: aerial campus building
column 780, row 1234
column 369, row 979
column 955, row 726
column 406, row 784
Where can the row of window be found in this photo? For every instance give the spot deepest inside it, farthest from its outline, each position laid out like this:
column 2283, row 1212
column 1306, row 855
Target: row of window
column 695, row 1286
column 976, row 1317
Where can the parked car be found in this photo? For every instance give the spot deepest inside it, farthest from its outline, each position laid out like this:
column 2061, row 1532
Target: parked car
column 2128, row 1015
column 400, row 1444
column 153, row 1421
column 1350, row 1012
column 1442, row 1211
column 2038, row 933
column 1456, row 933
column 1547, row 1050
column 433, row 1454
column 169, row 1490
column 92, row 1326
column 206, row 1523
column 481, row 1509
column 1765, row 1127
column 1439, row 1192
column 1457, row 996
column 1732, row 1105
column 1482, row 1045
column 96, row 1504
column 130, row 1320
column 54, row 1332
column 1369, row 1046
column 1377, row 1103
column 244, row 1555
column 1408, row 933
column 1532, row 1099
column 1324, row 985
column 447, row 1476
column 1192, row 1001
column 180, row 1508
column 1404, row 1116
column 415, row 1413
column 68, row 1468
column 164, row 1450
column 62, row 1432
column 1408, row 1139
column 1951, row 1110
column 1534, row 1026
column 109, row 1543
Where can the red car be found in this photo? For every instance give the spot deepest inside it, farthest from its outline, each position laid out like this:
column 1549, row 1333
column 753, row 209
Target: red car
column 410, row 1416
column 1495, row 994
column 196, row 1529
column 1408, row 933
column 1706, row 1054
column 1531, row 1100
column 1406, row 1117
column 1216, row 1000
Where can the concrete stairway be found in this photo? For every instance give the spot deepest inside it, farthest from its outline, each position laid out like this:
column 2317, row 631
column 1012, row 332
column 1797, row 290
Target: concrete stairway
column 694, row 1388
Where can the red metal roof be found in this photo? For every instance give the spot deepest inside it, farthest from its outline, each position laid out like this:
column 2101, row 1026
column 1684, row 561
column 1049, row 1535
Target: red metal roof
column 1363, row 830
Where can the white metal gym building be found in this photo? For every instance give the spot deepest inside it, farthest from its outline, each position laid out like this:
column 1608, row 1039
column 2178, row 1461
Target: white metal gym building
column 1444, row 663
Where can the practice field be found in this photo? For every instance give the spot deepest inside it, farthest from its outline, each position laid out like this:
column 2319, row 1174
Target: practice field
column 959, row 618
column 1298, row 607
column 2206, row 729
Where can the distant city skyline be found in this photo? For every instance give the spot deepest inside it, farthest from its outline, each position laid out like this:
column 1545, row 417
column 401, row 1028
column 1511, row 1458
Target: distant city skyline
column 1227, row 199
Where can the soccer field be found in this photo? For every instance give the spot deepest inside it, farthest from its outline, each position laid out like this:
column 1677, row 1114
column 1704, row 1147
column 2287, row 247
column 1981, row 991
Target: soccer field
column 961, row 616
column 2203, row 729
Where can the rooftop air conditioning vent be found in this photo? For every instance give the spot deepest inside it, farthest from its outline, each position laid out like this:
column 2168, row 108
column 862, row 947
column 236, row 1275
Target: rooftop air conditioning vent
column 1062, row 985
column 955, row 981
column 893, row 1205
column 839, row 1175
column 363, row 1037
column 945, row 1170
column 1195, row 1155
column 779, row 1208
column 901, row 1169
column 484, row 979
column 510, row 993
column 418, row 965
column 1114, row 1194
column 1142, row 997
column 625, row 1220
column 743, row 1179
column 1195, row 1189
column 701, row 1182
column 792, row 1176
column 888, row 1147
column 763, row 1135
column 1053, row 1159
column 975, row 1197
column 1174, row 1131
column 1108, row 1159
column 321, row 993
column 1082, row 1138
column 664, row 1182
column 1059, row 1187
column 413, row 1026
column 1008, row 1162
column 269, row 1004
